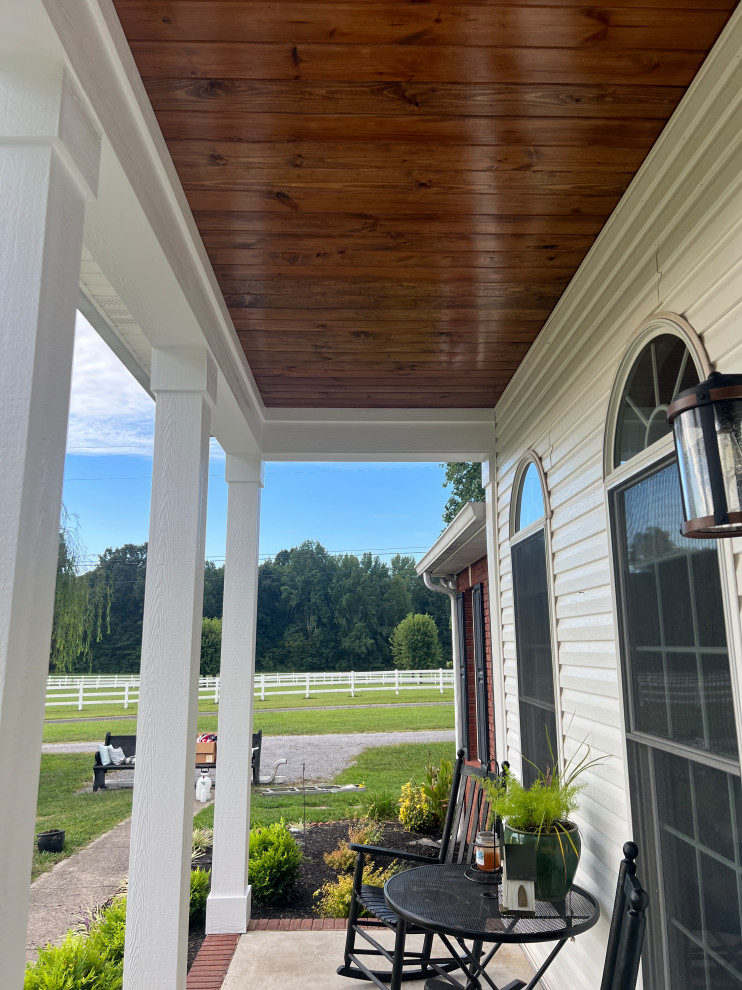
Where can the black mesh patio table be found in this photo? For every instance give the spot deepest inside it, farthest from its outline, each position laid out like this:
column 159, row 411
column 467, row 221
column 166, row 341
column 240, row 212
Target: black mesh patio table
column 441, row 899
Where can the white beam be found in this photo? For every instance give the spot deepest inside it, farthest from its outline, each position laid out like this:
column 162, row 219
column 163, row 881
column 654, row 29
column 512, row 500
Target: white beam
column 166, row 281
column 228, row 906
column 48, row 165
column 377, row 435
column 162, row 822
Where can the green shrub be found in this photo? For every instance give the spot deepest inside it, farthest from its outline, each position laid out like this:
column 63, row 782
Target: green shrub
column 92, row 956
column 437, row 789
column 108, row 929
column 415, row 811
column 423, row 808
column 383, row 806
column 203, row 840
column 76, row 964
column 334, row 896
column 274, row 863
column 200, row 886
column 342, row 859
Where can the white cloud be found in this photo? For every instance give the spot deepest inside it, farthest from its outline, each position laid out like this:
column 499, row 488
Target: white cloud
column 110, row 413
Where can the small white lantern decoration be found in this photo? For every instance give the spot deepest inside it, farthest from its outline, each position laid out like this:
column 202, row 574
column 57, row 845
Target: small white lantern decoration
column 519, row 880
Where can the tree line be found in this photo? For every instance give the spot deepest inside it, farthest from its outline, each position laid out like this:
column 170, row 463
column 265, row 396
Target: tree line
column 316, row 610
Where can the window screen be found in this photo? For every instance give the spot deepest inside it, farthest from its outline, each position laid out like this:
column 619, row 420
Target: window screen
column 680, row 719
column 480, row 669
column 463, row 674
column 533, row 649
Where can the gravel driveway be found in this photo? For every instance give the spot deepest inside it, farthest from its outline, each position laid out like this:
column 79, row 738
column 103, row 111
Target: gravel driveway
column 323, row 756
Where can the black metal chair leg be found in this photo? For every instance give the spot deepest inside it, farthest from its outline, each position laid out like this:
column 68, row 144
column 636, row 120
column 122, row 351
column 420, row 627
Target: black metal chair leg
column 427, row 952
column 350, row 935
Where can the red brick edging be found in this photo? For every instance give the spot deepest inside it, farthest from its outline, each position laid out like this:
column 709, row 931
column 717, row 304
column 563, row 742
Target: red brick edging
column 212, row 962
column 297, row 924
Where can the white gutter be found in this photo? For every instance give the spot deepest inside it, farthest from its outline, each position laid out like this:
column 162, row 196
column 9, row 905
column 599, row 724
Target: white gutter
column 449, row 588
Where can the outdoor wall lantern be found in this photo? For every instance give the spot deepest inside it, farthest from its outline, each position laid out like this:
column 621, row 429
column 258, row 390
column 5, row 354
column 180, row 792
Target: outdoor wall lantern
column 707, row 425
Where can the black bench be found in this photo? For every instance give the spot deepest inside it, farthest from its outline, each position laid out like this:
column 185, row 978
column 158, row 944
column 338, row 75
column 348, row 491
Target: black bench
column 257, row 745
column 129, row 746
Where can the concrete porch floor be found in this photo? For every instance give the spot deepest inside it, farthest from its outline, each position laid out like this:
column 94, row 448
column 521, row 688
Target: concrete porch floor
column 298, row 960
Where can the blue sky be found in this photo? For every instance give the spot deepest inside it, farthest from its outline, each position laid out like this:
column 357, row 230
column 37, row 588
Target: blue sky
column 387, row 508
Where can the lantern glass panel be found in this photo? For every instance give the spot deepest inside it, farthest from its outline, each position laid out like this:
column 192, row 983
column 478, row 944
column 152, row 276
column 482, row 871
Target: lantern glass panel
column 728, row 423
column 693, row 464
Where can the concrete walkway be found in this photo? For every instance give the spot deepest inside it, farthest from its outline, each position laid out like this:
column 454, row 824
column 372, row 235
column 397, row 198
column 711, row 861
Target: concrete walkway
column 295, row 960
column 74, row 887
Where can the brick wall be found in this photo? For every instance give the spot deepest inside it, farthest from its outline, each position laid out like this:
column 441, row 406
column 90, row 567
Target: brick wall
column 465, row 581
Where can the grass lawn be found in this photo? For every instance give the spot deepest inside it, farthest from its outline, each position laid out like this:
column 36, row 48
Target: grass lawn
column 382, row 770
column 277, row 701
column 83, row 816
column 88, row 731
column 300, row 722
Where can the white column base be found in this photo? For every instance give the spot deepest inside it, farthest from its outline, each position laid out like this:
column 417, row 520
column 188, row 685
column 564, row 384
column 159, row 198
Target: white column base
column 228, row 915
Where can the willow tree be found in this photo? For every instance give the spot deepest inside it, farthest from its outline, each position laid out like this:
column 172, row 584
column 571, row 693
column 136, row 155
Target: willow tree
column 80, row 610
column 465, row 479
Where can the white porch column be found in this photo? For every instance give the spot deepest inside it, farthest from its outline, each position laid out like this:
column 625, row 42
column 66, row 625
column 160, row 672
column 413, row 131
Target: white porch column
column 228, row 906
column 489, row 483
column 49, row 154
column 184, row 383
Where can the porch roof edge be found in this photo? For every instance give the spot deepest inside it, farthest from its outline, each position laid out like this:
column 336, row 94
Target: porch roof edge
column 462, row 543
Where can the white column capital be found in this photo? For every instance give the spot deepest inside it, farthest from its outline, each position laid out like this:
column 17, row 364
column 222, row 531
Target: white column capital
column 40, row 104
column 184, row 369
column 245, row 468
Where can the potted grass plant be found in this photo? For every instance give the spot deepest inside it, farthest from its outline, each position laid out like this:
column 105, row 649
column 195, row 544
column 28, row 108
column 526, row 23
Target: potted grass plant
column 540, row 815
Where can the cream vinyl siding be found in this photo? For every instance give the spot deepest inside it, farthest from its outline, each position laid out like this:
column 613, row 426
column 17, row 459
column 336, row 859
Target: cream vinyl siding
column 674, row 245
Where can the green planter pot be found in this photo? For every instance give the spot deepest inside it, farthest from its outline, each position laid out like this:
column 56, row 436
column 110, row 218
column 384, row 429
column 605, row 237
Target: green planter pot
column 556, row 860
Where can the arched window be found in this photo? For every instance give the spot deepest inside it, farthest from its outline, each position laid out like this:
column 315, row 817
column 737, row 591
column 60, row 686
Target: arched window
column 530, row 503
column 533, row 643
column 679, row 714
column 663, row 368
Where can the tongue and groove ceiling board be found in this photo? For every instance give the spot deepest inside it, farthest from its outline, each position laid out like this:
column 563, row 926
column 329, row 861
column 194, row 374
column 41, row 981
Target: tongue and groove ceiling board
column 394, row 195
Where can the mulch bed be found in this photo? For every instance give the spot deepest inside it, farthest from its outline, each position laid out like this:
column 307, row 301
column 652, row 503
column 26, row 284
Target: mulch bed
column 314, row 843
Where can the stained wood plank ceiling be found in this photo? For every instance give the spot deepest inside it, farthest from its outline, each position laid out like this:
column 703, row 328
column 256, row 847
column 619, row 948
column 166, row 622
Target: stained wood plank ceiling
column 394, row 194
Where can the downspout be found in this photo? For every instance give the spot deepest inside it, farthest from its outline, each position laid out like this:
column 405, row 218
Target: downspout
column 448, row 587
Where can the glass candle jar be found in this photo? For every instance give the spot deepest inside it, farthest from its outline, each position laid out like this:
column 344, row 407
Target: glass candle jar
column 487, row 852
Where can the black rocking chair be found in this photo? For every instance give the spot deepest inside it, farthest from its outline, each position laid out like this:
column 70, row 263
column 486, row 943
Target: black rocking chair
column 626, row 935
column 467, row 813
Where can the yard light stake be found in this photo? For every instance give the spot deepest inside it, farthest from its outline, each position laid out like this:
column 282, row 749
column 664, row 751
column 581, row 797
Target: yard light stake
column 707, row 426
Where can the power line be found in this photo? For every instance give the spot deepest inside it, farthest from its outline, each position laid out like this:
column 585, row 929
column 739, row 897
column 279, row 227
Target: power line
column 220, row 474
column 91, row 561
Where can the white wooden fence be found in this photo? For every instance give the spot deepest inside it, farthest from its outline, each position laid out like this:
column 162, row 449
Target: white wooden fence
column 82, row 691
